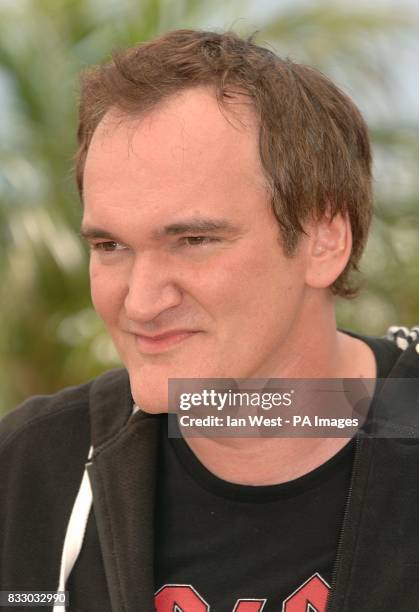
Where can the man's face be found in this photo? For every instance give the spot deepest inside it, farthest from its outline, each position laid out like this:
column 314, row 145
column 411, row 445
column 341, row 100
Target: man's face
column 186, row 269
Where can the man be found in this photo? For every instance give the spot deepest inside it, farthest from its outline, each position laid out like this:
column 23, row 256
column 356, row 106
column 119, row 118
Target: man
column 226, row 200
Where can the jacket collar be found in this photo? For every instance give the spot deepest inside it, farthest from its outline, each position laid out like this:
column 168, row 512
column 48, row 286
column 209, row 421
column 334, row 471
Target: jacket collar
column 110, row 406
column 122, row 473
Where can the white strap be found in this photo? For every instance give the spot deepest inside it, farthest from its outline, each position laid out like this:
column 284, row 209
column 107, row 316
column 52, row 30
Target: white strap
column 75, row 531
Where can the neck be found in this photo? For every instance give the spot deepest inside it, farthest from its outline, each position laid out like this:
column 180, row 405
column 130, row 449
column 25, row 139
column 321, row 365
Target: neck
column 264, row 462
column 321, row 352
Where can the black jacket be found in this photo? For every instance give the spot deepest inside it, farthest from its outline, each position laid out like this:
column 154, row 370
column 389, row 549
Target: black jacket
column 44, row 445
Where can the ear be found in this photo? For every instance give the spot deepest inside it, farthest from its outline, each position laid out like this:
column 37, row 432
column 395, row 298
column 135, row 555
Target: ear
column 329, row 249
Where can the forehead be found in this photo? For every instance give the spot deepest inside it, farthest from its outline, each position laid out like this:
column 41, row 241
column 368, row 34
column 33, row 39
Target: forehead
column 185, row 144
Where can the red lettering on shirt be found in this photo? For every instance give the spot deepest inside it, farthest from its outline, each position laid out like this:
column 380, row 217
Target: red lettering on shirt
column 179, row 598
column 311, row 596
column 249, row 605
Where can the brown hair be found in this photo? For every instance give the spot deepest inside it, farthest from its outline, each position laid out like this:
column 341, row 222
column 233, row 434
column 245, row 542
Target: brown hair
column 313, row 141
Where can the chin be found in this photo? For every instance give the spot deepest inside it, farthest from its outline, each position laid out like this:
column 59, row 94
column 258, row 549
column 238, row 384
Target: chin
column 150, row 398
column 150, row 390
column 150, row 382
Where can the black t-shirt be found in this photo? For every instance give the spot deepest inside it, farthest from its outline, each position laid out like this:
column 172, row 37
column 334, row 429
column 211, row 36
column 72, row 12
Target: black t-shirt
column 221, row 546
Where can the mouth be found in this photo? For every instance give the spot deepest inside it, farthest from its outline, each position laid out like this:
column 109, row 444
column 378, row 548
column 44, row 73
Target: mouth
column 162, row 342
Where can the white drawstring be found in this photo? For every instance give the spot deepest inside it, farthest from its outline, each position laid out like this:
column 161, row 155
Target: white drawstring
column 75, row 531
column 76, row 527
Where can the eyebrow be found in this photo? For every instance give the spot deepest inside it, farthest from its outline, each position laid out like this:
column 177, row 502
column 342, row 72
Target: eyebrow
column 88, row 233
column 193, row 226
column 196, row 226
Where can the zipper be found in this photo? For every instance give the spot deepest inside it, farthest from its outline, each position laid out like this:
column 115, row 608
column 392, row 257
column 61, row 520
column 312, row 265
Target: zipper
column 339, row 553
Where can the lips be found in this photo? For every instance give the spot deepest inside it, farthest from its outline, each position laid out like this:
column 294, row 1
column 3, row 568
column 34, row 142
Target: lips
column 162, row 342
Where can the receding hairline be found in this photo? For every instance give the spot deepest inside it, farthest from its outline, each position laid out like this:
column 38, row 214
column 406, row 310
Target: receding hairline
column 231, row 105
column 237, row 109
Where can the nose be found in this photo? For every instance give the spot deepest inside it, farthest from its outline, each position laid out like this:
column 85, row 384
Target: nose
column 152, row 288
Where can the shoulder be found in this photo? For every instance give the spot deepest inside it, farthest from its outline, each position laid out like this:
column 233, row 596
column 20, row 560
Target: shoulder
column 396, row 354
column 59, row 412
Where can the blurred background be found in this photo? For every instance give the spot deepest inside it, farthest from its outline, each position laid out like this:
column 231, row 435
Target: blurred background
column 49, row 335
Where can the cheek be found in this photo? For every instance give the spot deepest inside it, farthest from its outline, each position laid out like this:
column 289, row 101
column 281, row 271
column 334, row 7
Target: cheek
column 107, row 293
column 255, row 289
column 231, row 288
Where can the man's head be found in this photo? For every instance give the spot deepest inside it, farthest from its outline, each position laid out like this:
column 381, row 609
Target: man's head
column 194, row 149
column 313, row 142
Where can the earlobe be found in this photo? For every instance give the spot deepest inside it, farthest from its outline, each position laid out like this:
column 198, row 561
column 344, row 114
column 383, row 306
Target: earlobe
column 329, row 251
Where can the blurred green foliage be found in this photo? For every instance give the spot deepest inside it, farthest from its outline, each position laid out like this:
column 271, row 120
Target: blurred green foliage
column 50, row 336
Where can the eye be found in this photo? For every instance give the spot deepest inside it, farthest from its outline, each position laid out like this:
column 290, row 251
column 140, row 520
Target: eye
column 199, row 240
column 108, row 247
